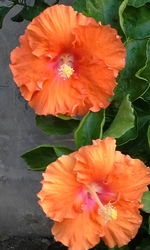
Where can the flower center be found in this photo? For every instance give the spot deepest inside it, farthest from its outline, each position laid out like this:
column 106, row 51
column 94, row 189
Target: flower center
column 108, row 212
column 65, row 66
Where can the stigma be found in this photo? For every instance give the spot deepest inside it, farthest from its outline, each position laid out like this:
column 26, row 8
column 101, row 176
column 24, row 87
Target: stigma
column 65, row 66
column 108, row 212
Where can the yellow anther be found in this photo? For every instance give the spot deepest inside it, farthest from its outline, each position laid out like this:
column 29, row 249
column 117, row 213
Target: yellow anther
column 110, row 212
column 65, row 71
column 68, row 70
column 114, row 214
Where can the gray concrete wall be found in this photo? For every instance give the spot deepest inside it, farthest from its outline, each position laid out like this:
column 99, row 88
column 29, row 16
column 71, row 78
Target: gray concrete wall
column 19, row 212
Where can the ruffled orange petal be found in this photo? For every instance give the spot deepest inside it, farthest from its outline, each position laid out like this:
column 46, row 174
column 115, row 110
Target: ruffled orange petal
column 51, row 31
column 58, row 96
column 80, row 233
column 129, row 178
column 28, row 71
column 98, row 82
column 76, row 95
column 95, row 162
column 103, row 43
column 120, row 231
column 59, row 197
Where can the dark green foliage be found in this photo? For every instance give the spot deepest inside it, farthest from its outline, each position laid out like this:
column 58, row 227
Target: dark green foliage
column 90, row 128
column 39, row 157
column 26, row 13
column 105, row 11
column 54, row 125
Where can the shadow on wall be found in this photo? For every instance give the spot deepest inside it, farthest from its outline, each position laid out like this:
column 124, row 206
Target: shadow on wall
column 20, row 214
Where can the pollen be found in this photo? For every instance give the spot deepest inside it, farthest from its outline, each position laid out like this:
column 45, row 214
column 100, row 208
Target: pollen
column 65, row 71
column 65, row 66
column 114, row 214
column 108, row 212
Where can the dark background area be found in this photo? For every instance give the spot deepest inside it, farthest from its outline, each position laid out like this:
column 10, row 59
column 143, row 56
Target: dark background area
column 20, row 214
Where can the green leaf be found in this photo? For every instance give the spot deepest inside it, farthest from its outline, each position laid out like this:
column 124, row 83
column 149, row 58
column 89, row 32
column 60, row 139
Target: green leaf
column 137, row 3
column 3, row 12
column 80, row 6
column 146, row 201
column 139, row 147
column 30, row 12
column 136, row 22
column 39, row 157
column 64, row 117
column 124, row 120
column 90, row 128
column 128, row 82
column 146, row 95
column 130, row 135
column 54, row 125
column 61, row 150
column 143, row 73
column 105, row 11
column 121, row 10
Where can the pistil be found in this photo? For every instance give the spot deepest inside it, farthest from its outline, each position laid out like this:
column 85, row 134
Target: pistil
column 108, row 212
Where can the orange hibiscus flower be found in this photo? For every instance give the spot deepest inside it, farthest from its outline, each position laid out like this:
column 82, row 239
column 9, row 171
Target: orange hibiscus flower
column 67, row 63
column 94, row 193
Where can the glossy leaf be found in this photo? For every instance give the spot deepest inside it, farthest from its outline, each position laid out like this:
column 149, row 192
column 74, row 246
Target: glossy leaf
column 39, row 157
column 146, row 95
column 123, row 121
column 144, row 73
column 105, row 11
column 137, row 3
column 66, row 118
column 90, row 128
column 136, row 22
column 128, row 83
column 121, row 10
column 60, row 150
column 130, row 135
column 80, row 6
column 146, row 201
column 139, row 147
column 54, row 125
column 30, row 12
